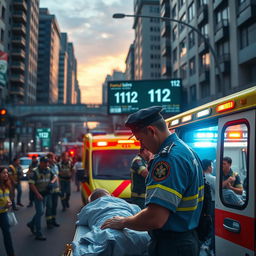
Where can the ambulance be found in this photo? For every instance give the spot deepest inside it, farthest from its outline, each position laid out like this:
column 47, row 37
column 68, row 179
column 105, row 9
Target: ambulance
column 106, row 160
column 226, row 128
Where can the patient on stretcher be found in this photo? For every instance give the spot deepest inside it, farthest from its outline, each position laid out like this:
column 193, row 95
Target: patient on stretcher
column 96, row 241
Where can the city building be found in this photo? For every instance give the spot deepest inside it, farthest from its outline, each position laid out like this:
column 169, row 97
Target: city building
column 3, row 50
column 22, row 49
column 48, row 58
column 71, row 98
column 229, row 26
column 116, row 76
column 147, row 64
column 129, row 62
column 63, row 69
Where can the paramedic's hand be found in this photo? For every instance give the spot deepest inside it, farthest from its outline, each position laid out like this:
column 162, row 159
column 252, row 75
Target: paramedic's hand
column 115, row 223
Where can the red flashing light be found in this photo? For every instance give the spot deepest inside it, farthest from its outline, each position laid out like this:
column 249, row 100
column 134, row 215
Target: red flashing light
column 71, row 152
column 234, row 135
column 225, row 106
column 3, row 112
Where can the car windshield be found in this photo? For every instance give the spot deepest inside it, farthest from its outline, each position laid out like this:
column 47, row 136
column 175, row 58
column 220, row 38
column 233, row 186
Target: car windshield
column 25, row 161
column 112, row 164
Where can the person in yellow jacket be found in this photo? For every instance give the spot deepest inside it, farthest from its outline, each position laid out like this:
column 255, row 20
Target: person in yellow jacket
column 5, row 204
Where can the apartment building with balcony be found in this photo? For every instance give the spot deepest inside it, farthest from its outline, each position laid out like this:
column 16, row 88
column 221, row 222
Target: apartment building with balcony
column 22, row 48
column 147, row 59
column 48, row 58
column 230, row 27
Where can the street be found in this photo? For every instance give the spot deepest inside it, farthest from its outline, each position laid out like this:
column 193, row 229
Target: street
column 24, row 242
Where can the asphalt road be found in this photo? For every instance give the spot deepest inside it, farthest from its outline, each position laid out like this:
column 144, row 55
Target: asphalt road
column 24, row 242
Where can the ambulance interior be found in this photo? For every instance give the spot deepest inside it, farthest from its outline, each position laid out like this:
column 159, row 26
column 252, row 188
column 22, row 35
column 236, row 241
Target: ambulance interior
column 112, row 164
column 234, row 145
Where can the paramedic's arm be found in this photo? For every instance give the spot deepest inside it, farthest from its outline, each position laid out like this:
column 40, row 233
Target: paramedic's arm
column 152, row 217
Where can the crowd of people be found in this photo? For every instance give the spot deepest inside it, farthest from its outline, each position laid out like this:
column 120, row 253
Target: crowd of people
column 49, row 179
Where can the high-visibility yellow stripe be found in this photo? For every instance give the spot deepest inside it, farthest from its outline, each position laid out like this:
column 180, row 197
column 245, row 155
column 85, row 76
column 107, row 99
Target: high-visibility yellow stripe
column 190, row 197
column 201, row 187
column 186, row 209
column 166, row 189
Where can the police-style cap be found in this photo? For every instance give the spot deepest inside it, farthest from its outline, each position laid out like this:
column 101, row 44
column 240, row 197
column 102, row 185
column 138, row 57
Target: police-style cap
column 44, row 159
column 143, row 118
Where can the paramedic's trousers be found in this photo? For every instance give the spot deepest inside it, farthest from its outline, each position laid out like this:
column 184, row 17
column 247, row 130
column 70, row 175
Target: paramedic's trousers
column 166, row 243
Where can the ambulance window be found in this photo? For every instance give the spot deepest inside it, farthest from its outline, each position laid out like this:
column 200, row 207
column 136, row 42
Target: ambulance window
column 233, row 165
column 204, row 142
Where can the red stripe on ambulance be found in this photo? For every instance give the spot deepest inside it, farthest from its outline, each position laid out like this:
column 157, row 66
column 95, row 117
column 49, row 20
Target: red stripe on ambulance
column 246, row 236
column 121, row 188
column 87, row 189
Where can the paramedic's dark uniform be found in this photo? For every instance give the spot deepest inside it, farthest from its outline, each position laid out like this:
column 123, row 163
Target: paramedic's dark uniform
column 175, row 181
column 138, row 186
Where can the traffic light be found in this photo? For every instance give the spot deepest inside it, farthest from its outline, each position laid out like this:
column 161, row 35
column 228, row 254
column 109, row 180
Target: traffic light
column 3, row 117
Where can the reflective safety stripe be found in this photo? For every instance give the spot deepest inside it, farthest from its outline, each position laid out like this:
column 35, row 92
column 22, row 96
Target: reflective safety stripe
column 190, row 203
column 167, row 194
column 165, row 188
column 141, row 169
column 164, row 193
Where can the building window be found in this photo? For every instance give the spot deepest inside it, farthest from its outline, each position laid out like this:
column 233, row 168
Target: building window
column 223, row 49
column 183, row 18
column 247, row 36
column 222, row 15
column 181, row 3
column 240, row 2
column 3, row 13
column 192, row 66
column 183, row 49
column 174, row 55
column 204, row 62
column 192, row 92
column 2, row 35
column 202, row 2
column 174, row 12
column 174, row 33
column 183, row 71
column 191, row 11
column 191, row 39
column 205, row 90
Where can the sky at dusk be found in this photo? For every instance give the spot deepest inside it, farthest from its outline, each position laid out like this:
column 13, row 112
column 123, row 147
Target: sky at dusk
column 101, row 43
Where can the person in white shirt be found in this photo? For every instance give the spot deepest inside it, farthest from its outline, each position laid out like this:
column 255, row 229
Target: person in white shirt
column 211, row 180
column 79, row 172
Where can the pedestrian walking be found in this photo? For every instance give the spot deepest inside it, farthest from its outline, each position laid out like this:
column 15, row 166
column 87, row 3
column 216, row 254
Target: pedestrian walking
column 54, row 193
column 174, row 189
column 15, row 171
column 65, row 175
column 33, row 165
column 5, row 204
column 39, row 181
column 79, row 172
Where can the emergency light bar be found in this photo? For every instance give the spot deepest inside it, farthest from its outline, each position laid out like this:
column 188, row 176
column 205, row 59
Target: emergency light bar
column 205, row 112
column 225, row 107
column 102, row 143
column 186, row 118
column 125, row 141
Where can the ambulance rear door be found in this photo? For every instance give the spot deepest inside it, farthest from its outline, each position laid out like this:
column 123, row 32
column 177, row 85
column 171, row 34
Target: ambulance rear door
column 235, row 214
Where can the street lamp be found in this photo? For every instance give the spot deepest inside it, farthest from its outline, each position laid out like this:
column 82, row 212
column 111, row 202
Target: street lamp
column 122, row 15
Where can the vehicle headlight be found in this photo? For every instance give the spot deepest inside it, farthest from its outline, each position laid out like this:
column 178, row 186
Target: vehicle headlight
column 25, row 171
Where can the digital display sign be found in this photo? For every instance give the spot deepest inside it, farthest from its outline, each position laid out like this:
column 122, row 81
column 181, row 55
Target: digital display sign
column 126, row 97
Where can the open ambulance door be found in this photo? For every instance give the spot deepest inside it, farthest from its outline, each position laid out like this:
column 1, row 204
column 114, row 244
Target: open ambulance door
column 235, row 214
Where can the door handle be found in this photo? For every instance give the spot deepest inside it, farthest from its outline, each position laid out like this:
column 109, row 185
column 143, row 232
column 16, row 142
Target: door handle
column 232, row 225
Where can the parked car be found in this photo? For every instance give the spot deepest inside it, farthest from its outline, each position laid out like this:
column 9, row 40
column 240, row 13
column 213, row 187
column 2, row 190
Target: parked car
column 25, row 163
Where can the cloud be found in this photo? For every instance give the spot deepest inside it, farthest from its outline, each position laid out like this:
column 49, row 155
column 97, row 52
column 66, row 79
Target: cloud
column 101, row 43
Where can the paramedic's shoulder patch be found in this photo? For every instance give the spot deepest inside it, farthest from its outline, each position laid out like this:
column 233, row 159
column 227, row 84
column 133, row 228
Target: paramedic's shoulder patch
column 161, row 171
